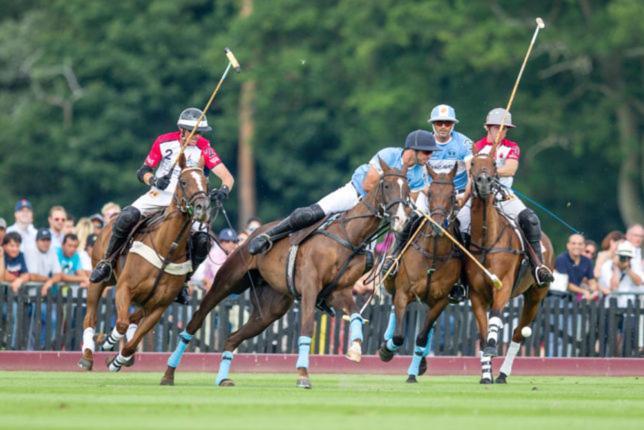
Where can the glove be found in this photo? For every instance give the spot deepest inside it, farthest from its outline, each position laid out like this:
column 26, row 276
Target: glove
column 219, row 194
column 161, row 183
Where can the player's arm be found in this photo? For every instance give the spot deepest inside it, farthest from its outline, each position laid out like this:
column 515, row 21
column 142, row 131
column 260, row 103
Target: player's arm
column 222, row 172
column 371, row 179
column 509, row 168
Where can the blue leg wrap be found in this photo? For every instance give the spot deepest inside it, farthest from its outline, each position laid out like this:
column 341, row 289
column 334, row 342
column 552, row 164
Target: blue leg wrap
column 428, row 347
column 391, row 346
column 175, row 358
column 391, row 326
column 304, row 344
column 224, row 366
column 355, row 328
column 415, row 361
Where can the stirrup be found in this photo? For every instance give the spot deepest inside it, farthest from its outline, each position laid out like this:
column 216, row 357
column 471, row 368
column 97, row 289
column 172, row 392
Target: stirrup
column 388, row 263
column 108, row 263
column 547, row 276
column 261, row 250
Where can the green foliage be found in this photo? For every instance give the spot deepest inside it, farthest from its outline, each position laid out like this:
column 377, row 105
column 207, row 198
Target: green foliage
column 336, row 81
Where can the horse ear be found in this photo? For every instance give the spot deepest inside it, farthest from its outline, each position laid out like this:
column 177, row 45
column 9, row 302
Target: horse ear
column 202, row 162
column 452, row 172
column 182, row 161
column 430, row 171
column 404, row 170
column 475, row 150
column 384, row 166
column 493, row 152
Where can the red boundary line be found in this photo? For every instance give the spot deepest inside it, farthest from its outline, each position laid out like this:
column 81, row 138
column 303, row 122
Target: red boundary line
column 285, row 363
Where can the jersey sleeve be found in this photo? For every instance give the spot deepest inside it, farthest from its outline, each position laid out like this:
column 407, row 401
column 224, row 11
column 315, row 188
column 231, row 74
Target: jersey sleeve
column 154, row 156
column 210, row 156
column 388, row 155
column 514, row 153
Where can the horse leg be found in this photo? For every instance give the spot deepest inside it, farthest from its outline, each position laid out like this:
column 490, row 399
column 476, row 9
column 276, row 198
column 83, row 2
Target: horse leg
column 123, row 301
column 529, row 311
column 307, row 322
column 126, row 356
column 499, row 300
column 418, row 365
column 271, row 306
column 89, row 326
column 478, row 309
column 389, row 348
column 212, row 298
column 344, row 300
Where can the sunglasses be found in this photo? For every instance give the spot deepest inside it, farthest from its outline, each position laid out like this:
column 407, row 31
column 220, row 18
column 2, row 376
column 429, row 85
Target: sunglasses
column 624, row 258
column 443, row 123
column 59, row 219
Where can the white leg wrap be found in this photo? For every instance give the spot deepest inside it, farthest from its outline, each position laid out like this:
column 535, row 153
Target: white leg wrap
column 88, row 339
column 131, row 329
column 494, row 327
column 112, row 340
column 486, row 367
column 118, row 362
column 513, row 350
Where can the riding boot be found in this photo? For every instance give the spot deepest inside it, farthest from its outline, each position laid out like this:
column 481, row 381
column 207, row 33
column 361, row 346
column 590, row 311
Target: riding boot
column 399, row 244
column 124, row 223
column 460, row 290
column 298, row 219
column 531, row 227
column 199, row 247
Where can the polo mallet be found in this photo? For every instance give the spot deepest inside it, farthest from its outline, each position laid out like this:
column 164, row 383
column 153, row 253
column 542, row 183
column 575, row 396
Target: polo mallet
column 540, row 25
column 232, row 62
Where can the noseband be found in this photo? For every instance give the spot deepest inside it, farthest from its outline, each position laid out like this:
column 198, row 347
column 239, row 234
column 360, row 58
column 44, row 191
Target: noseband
column 493, row 174
column 448, row 214
column 383, row 208
column 186, row 205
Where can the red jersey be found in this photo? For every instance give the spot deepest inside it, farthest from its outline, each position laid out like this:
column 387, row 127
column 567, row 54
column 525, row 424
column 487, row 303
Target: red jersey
column 506, row 150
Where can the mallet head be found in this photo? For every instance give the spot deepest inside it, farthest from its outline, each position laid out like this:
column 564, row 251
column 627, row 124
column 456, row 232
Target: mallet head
column 233, row 60
column 540, row 23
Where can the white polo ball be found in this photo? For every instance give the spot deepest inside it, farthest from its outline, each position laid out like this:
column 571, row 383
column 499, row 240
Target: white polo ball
column 526, row 332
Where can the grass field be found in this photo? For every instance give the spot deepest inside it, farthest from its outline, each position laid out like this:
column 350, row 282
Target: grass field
column 40, row 400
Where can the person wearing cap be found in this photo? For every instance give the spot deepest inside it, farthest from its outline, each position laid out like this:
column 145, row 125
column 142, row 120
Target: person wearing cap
column 227, row 242
column 42, row 261
column 454, row 147
column 161, row 173
column 507, row 162
column 3, row 231
column 619, row 274
column 98, row 222
column 24, row 215
column 419, row 146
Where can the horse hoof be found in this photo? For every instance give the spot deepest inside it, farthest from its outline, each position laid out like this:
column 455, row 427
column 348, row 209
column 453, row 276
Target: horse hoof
column 490, row 351
column 422, row 368
column 303, row 383
column 108, row 363
column 501, row 379
column 354, row 353
column 226, row 383
column 385, row 354
column 85, row 364
column 486, row 381
column 130, row 362
column 411, row 379
column 167, row 381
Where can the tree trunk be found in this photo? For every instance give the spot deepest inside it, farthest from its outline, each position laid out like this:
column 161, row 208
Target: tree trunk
column 629, row 194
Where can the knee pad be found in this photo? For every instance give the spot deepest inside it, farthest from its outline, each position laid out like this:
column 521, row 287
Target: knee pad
column 199, row 246
column 126, row 220
column 528, row 219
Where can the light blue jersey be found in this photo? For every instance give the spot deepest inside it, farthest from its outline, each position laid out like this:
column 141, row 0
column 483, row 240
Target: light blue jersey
column 416, row 176
column 458, row 149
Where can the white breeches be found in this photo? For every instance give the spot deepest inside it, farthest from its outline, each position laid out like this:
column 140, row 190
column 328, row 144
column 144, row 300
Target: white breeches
column 155, row 201
column 340, row 200
column 511, row 208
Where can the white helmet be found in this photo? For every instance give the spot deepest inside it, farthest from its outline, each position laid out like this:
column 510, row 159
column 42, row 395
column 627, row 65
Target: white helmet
column 442, row 113
column 625, row 249
column 188, row 118
column 497, row 116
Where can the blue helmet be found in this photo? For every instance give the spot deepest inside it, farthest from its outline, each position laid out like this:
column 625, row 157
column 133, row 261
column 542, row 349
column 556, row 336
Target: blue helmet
column 442, row 113
column 421, row 140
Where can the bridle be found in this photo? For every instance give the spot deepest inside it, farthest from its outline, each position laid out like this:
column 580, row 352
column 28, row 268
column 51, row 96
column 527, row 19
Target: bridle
column 186, row 204
column 381, row 211
column 448, row 214
column 492, row 174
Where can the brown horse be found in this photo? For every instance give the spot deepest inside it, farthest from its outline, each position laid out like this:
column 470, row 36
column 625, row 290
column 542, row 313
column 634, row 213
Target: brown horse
column 498, row 246
column 319, row 261
column 427, row 272
column 140, row 282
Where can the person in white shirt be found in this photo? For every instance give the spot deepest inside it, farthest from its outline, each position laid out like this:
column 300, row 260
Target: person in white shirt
column 620, row 275
column 635, row 235
column 24, row 226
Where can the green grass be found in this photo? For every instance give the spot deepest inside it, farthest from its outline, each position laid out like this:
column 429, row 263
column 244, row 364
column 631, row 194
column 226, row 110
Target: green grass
column 41, row 400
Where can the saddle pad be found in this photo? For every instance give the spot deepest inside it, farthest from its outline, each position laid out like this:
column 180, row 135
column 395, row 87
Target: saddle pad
column 153, row 258
column 301, row 235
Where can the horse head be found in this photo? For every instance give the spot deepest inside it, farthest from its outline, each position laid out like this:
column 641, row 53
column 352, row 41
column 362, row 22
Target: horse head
column 441, row 195
column 484, row 174
column 191, row 194
column 392, row 196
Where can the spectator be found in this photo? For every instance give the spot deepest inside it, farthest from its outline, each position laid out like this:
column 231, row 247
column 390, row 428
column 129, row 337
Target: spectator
column 56, row 219
column 16, row 272
column 84, row 227
column 69, row 226
column 252, row 224
column 24, row 224
column 590, row 249
column 42, row 261
column 578, row 268
column 109, row 210
column 609, row 246
column 70, row 262
column 205, row 273
column 620, row 275
column 98, row 222
column 86, row 254
column 634, row 235
column 3, row 230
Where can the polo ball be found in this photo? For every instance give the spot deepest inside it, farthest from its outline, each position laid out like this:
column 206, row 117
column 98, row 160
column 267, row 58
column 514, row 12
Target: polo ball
column 526, row 332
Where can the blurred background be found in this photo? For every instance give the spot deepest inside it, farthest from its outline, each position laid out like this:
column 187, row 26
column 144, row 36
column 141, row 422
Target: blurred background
column 86, row 86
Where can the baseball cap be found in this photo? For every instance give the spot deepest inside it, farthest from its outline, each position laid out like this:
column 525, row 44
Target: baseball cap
column 91, row 240
column 99, row 218
column 43, row 234
column 23, row 203
column 3, row 223
column 625, row 249
column 228, row 235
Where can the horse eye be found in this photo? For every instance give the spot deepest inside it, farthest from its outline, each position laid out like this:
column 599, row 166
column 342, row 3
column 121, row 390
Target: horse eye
column 184, row 183
column 386, row 186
